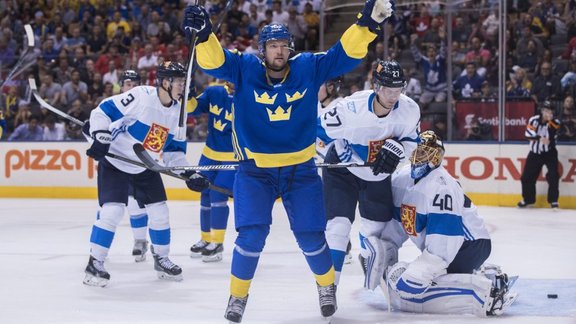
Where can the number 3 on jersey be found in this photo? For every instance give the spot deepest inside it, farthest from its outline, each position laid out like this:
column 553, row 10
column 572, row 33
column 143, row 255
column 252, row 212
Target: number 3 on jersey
column 126, row 101
column 334, row 119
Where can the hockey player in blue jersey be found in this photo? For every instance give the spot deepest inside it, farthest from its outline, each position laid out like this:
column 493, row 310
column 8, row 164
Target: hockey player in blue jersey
column 375, row 127
column 274, row 134
column 432, row 210
column 216, row 101
column 146, row 115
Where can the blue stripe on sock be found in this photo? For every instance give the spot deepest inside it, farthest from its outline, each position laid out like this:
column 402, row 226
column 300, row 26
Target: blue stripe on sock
column 139, row 221
column 101, row 237
column 161, row 237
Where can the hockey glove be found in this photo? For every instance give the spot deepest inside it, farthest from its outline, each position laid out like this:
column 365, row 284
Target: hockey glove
column 374, row 13
column 196, row 181
column 100, row 146
column 388, row 158
column 197, row 19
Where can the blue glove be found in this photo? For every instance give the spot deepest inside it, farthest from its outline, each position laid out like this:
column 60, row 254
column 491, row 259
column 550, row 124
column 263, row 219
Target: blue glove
column 197, row 19
column 374, row 13
column 388, row 158
column 100, row 146
column 196, row 181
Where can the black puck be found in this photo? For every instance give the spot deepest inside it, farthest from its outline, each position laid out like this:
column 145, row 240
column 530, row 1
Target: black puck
column 552, row 296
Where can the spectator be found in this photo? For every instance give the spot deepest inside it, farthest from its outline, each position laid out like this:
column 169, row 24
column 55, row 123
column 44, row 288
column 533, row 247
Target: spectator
column 74, row 89
column 115, row 23
column 96, row 87
column 112, row 75
column 23, row 114
column 478, row 54
column 569, row 79
column 434, row 34
column 434, row 69
column 256, row 17
column 9, row 107
column 111, row 54
column 312, row 20
column 490, row 27
column 567, row 131
column 62, row 71
column 470, row 84
column 461, row 32
column 53, row 131
column 73, row 130
column 297, row 26
column 413, row 87
column 547, row 85
column 421, row 23
column 50, row 90
column 477, row 132
column 59, row 38
column 75, row 41
column 528, row 59
column 278, row 15
column 487, row 92
column 96, row 42
column 28, row 131
column 149, row 60
column 253, row 48
column 156, row 24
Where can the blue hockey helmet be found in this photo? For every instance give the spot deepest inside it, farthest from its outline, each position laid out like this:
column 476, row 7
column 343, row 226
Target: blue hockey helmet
column 274, row 31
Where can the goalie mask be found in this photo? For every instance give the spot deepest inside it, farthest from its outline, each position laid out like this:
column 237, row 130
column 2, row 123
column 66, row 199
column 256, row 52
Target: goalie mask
column 427, row 156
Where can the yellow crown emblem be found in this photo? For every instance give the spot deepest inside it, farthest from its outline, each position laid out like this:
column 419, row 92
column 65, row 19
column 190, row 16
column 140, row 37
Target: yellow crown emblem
column 214, row 109
column 228, row 116
column 279, row 114
column 265, row 98
column 218, row 125
column 297, row 95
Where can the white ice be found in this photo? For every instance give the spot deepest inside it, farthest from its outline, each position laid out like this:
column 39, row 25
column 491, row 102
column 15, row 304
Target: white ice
column 44, row 249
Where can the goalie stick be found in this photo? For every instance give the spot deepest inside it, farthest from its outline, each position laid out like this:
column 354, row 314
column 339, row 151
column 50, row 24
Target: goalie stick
column 80, row 123
column 154, row 166
column 23, row 56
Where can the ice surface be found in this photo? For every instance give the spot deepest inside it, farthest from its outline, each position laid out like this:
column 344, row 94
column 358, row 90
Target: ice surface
column 44, row 249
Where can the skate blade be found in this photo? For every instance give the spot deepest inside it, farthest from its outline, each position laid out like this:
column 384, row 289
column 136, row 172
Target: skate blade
column 140, row 258
column 212, row 258
column 93, row 281
column 328, row 319
column 195, row 255
column 165, row 276
column 348, row 259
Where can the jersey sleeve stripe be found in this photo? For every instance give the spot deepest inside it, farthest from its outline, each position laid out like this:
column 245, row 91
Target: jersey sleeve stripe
column 444, row 224
column 175, row 146
column 110, row 109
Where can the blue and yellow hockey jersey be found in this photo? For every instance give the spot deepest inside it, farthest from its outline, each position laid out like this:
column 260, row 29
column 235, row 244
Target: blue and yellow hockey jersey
column 275, row 124
column 217, row 103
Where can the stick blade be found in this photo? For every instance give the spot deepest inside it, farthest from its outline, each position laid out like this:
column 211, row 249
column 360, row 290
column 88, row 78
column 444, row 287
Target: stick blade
column 145, row 157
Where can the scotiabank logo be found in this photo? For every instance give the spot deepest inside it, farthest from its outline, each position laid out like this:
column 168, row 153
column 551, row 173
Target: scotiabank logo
column 499, row 168
column 40, row 160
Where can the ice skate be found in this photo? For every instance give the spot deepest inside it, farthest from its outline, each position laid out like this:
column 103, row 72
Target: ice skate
column 500, row 296
column 197, row 248
column 327, row 298
column 522, row 204
column 348, row 258
column 96, row 274
column 167, row 269
column 235, row 309
column 139, row 250
column 213, row 252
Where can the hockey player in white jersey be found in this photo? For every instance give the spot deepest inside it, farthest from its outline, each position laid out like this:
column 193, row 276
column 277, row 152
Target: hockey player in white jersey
column 376, row 127
column 328, row 97
column 432, row 210
column 146, row 115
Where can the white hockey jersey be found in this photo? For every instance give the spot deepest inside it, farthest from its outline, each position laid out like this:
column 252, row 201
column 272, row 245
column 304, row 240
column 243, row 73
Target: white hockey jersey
column 321, row 146
column 138, row 116
column 359, row 134
column 435, row 213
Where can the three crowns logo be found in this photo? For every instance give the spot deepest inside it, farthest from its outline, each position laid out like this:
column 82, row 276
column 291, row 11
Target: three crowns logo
column 228, row 116
column 219, row 126
column 279, row 114
column 214, row 109
column 265, row 98
column 297, row 95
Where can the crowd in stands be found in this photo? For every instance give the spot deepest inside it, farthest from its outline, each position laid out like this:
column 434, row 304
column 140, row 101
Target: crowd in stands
column 83, row 46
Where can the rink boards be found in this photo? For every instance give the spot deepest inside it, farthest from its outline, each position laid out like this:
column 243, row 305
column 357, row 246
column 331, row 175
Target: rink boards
column 489, row 173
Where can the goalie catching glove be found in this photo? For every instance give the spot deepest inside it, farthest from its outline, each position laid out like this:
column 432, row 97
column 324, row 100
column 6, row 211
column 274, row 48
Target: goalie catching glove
column 100, row 146
column 388, row 158
column 196, row 181
column 196, row 19
column 374, row 13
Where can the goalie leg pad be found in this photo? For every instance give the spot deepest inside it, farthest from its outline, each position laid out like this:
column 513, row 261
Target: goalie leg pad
column 381, row 255
column 450, row 294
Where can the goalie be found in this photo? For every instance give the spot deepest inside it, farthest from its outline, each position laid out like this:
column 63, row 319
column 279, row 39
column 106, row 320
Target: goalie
column 432, row 210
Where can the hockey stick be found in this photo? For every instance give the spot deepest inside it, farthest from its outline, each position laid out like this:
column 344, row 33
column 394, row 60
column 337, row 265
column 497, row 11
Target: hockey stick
column 193, row 66
column 80, row 123
column 16, row 69
column 154, row 166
